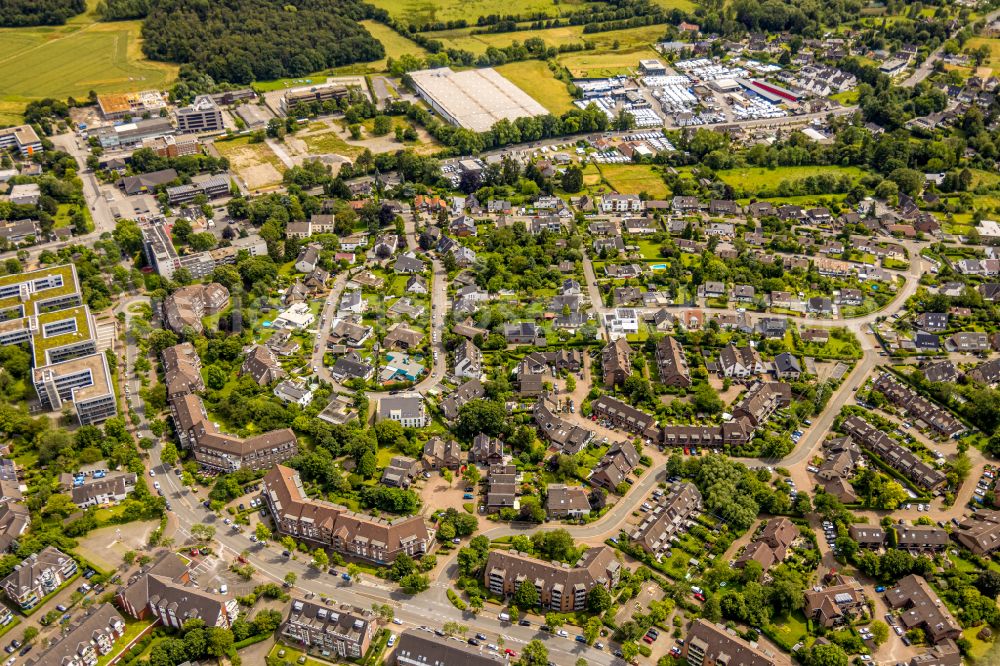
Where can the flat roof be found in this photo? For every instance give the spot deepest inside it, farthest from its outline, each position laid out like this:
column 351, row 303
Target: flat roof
column 99, row 375
column 476, row 98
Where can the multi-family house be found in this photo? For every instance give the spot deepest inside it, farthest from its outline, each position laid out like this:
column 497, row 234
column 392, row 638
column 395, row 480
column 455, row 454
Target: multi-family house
column 561, row 588
column 347, row 634
column 332, row 526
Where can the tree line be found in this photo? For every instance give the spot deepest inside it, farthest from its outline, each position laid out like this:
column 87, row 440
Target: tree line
column 123, row 10
column 20, row 13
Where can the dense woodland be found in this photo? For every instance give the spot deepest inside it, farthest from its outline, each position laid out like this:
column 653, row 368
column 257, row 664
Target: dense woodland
column 18, row 13
column 245, row 40
column 122, row 10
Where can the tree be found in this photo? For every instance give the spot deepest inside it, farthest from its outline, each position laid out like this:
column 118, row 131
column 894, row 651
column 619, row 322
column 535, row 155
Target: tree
column 598, row 599
column 827, row 655
column 291, row 577
column 367, row 465
column 554, row 620
column 30, row 634
column 168, row 454
column 534, row 654
column 592, row 629
column 988, row 583
column 526, row 595
column 572, row 179
column 320, row 559
column 880, row 632
column 471, row 475
column 220, row 641
column 262, row 533
column 203, row 532
column 288, row 543
column 382, row 125
column 482, row 416
column 629, row 650
column 414, row 583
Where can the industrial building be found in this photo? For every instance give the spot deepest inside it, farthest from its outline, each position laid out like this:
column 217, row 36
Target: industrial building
column 474, row 99
column 117, row 106
column 129, row 135
column 211, row 186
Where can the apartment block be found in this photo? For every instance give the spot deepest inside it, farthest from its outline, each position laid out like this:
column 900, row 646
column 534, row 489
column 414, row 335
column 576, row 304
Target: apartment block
column 709, row 644
column 317, row 627
column 165, row 592
column 616, row 362
column 86, row 640
column 420, row 648
column 326, row 524
column 408, row 409
column 561, row 587
column 37, row 576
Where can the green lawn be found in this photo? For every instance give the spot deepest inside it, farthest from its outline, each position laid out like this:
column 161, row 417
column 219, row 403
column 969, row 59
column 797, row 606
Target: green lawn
column 789, row 630
column 132, row 629
column 759, row 178
column 73, row 59
column 979, row 649
column 635, row 178
column 535, row 78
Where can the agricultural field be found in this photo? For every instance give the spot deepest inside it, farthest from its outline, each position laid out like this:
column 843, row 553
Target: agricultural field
column 395, row 44
column 635, row 178
column 535, row 78
column 424, row 11
column 760, row 177
column 632, row 44
column 73, row 59
column 255, row 163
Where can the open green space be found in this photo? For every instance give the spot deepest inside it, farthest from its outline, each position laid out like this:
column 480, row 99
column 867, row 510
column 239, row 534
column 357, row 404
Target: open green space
column 395, row 44
column 760, row 177
column 635, row 178
column 425, row 11
column 330, row 142
column 994, row 46
column 535, row 78
column 73, row 59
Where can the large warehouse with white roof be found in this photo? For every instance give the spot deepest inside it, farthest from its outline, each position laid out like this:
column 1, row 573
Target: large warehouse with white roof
column 474, row 99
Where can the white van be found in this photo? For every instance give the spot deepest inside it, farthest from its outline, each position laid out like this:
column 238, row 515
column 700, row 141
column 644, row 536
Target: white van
column 504, row 617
